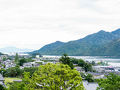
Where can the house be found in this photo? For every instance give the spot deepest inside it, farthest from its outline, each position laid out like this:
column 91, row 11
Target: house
column 90, row 86
column 29, row 64
column 8, row 64
column 79, row 69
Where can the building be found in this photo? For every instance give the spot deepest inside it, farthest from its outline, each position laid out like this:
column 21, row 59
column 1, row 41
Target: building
column 90, row 86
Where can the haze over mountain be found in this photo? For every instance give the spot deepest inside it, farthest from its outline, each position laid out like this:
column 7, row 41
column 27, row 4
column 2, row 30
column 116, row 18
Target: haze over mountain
column 14, row 50
column 100, row 43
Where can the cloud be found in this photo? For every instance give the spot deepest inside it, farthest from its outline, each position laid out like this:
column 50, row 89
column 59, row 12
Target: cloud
column 34, row 23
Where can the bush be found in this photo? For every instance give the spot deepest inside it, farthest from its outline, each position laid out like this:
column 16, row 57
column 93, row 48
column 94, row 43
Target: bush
column 89, row 78
column 2, row 88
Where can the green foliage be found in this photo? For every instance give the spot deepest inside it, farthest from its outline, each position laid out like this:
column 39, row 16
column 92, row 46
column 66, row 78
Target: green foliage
column 89, row 78
column 82, row 74
column 4, row 58
column 17, row 72
column 81, row 63
column 2, row 88
column 93, row 63
column 16, row 58
column 13, row 72
column 66, row 60
column 31, row 70
column 85, row 65
column 103, row 63
column 24, row 60
column 17, row 86
column 52, row 77
column 3, row 72
column 112, row 82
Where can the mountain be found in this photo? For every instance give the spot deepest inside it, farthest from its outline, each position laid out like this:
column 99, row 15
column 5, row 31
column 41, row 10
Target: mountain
column 110, row 49
column 100, row 43
column 14, row 50
column 52, row 47
column 1, row 54
column 116, row 32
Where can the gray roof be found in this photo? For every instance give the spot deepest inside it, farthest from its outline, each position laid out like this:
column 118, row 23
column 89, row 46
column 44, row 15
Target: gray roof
column 90, row 86
column 17, row 80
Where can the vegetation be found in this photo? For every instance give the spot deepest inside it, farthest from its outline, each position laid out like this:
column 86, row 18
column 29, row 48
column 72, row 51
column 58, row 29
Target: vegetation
column 112, row 82
column 89, row 78
column 51, row 77
column 12, row 72
column 1, row 87
column 9, row 81
column 31, row 70
column 24, row 60
column 103, row 63
column 17, row 72
column 66, row 60
column 16, row 58
column 17, row 86
column 85, row 65
column 4, row 58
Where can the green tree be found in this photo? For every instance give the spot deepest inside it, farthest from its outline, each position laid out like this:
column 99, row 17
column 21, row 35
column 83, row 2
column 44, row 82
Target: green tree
column 112, row 82
column 2, row 88
column 13, row 72
column 17, row 86
column 66, row 60
column 31, row 70
column 4, row 58
column 87, row 67
column 89, row 78
column 81, row 63
column 93, row 63
column 53, row 77
column 22, row 61
column 16, row 58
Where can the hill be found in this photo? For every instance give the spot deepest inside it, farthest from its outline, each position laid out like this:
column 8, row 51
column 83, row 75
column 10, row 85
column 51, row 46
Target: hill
column 100, row 43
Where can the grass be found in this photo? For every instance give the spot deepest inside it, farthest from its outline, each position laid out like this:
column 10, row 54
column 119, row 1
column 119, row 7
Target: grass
column 10, row 80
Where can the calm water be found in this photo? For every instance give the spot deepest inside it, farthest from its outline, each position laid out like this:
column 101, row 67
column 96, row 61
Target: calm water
column 112, row 60
column 99, row 58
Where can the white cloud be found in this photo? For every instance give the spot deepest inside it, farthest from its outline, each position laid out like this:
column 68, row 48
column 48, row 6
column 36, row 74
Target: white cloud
column 34, row 23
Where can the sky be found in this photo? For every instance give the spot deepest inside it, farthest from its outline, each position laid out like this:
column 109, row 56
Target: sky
column 35, row 23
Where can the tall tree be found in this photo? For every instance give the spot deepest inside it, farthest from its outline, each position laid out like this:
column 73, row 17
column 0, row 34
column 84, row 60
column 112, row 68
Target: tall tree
column 16, row 58
column 66, row 60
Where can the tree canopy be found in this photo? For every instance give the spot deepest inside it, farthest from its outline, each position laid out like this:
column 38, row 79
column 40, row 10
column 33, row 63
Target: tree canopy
column 66, row 60
column 53, row 77
column 85, row 65
column 112, row 82
column 16, row 58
